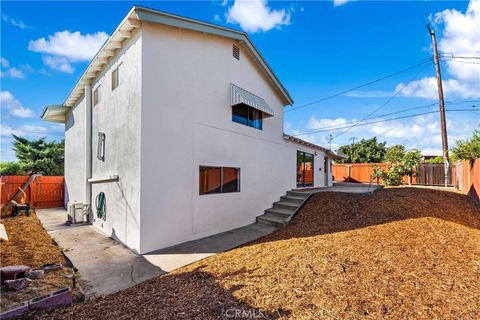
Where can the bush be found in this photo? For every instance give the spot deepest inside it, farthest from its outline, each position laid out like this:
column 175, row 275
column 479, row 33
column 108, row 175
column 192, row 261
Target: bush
column 10, row 169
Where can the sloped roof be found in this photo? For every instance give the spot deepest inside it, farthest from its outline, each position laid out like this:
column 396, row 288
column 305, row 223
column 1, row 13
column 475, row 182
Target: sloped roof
column 133, row 20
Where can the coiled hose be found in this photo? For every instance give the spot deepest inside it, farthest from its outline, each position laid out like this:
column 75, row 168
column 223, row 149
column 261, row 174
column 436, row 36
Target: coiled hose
column 100, row 205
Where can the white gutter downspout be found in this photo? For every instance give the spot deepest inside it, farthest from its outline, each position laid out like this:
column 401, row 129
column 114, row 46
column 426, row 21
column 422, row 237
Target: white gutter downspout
column 88, row 149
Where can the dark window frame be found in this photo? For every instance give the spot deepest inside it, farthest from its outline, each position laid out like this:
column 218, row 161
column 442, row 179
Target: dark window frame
column 96, row 95
column 254, row 118
column 222, row 183
column 116, row 77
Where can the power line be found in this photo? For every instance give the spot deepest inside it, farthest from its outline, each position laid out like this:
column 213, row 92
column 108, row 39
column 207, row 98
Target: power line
column 422, row 63
column 383, row 105
column 343, row 125
column 380, row 121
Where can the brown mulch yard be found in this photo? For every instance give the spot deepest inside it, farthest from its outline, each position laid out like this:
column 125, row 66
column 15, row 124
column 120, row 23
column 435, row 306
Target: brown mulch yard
column 29, row 244
column 401, row 253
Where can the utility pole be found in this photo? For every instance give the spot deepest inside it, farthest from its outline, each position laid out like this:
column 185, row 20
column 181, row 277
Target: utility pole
column 353, row 141
column 329, row 140
column 443, row 121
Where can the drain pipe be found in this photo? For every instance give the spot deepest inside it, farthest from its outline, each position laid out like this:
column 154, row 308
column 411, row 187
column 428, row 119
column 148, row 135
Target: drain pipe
column 88, row 150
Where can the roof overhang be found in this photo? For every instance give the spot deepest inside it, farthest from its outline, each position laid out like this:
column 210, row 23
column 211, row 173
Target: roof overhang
column 133, row 20
column 328, row 152
column 55, row 113
column 242, row 96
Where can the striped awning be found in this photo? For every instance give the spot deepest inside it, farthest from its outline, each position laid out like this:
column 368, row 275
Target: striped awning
column 242, row 96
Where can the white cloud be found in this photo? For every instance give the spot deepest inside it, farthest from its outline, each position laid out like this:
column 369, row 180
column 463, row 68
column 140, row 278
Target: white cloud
column 427, row 88
column 337, row 3
column 14, row 22
column 256, row 15
column 64, row 48
column 461, row 37
column 8, row 71
column 71, row 45
column 13, row 106
column 58, row 63
column 217, row 18
column 421, row 132
column 23, row 130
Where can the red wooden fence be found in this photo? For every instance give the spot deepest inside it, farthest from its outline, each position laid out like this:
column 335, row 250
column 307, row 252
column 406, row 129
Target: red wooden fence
column 43, row 192
column 359, row 172
column 467, row 178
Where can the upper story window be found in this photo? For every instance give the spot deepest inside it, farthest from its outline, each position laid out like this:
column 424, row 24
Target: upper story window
column 116, row 77
column 96, row 95
column 247, row 108
column 243, row 114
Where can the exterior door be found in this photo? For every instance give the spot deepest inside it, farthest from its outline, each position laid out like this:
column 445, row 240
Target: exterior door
column 326, row 170
column 304, row 169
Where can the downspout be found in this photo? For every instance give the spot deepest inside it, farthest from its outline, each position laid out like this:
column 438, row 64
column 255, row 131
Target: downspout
column 88, row 150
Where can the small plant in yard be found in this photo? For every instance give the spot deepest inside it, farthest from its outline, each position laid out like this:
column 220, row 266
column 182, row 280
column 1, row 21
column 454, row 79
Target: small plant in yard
column 401, row 164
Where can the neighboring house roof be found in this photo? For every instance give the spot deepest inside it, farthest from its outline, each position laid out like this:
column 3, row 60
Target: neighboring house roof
column 330, row 153
column 134, row 19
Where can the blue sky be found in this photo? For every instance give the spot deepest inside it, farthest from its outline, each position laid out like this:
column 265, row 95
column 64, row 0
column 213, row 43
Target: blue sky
column 316, row 48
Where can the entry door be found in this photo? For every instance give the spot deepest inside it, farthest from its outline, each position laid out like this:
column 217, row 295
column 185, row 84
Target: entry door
column 304, row 169
column 326, row 171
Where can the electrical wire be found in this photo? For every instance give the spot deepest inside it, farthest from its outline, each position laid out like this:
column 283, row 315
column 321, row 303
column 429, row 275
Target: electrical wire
column 383, row 105
column 381, row 121
column 420, row 64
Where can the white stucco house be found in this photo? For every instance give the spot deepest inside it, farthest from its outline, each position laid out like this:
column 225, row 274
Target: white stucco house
column 179, row 125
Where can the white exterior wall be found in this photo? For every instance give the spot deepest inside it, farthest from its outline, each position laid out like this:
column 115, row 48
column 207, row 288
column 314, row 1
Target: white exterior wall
column 75, row 154
column 118, row 116
column 187, row 122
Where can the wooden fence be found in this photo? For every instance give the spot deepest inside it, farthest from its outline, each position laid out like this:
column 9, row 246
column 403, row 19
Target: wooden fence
column 43, row 192
column 467, row 178
column 359, row 172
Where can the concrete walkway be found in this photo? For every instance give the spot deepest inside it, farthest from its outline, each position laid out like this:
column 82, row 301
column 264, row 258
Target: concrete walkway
column 178, row 256
column 347, row 187
column 103, row 263
column 108, row 266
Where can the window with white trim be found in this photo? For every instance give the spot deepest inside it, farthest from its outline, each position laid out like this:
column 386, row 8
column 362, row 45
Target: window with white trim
column 116, row 77
column 96, row 95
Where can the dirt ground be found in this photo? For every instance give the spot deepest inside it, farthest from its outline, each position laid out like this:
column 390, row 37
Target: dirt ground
column 401, row 253
column 29, row 244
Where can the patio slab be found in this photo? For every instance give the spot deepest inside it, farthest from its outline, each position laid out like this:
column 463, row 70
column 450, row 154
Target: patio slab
column 108, row 266
column 103, row 263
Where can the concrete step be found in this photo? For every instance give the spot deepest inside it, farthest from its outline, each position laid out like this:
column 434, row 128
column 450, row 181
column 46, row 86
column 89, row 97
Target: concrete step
column 281, row 213
column 298, row 194
column 298, row 200
column 286, row 205
column 271, row 221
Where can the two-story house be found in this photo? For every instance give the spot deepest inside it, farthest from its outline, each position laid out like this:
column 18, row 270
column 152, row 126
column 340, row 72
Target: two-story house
column 175, row 132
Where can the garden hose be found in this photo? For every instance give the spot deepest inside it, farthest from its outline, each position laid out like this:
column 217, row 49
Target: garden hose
column 100, row 204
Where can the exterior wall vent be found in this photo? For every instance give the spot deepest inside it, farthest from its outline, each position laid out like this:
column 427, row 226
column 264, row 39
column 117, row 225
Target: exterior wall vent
column 236, row 52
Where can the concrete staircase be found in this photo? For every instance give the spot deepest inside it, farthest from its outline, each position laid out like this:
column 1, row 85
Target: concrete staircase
column 283, row 211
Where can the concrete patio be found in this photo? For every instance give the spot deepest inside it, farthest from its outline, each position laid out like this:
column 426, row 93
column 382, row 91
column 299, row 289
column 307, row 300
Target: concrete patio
column 107, row 266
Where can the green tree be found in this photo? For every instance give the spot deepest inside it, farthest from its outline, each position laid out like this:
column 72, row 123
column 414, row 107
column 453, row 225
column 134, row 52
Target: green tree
column 10, row 169
column 438, row 159
column 410, row 161
column 395, row 154
column 365, row 151
column 39, row 156
column 468, row 149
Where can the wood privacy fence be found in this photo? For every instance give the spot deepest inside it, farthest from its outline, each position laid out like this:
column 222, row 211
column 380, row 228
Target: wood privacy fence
column 359, row 172
column 43, row 192
column 429, row 174
column 467, row 178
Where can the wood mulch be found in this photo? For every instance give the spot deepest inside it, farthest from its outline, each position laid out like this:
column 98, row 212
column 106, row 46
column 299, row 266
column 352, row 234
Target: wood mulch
column 401, row 253
column 29, row 244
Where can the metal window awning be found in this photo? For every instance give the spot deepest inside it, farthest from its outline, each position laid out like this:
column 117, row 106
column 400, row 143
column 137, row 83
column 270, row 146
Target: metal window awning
column 242, row 96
